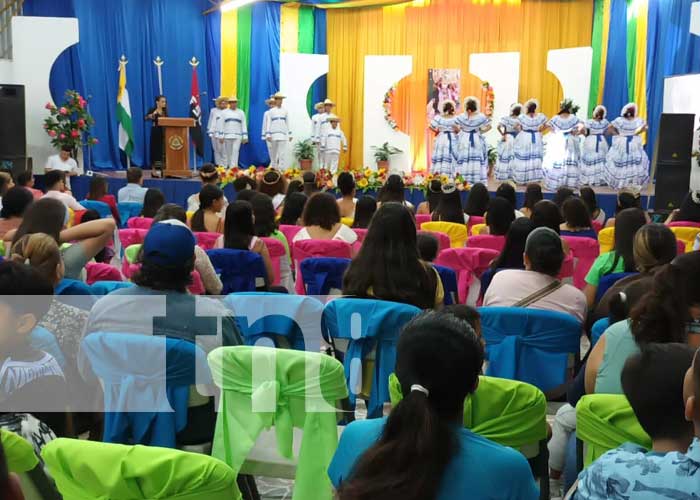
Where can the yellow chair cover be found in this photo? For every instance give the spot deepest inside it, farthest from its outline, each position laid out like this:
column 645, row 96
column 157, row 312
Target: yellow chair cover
column 456, row 232
column 686, row 235
column 606, row 239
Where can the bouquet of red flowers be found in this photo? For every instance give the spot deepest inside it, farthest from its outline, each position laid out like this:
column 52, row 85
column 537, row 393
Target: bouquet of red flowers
column 69, row 124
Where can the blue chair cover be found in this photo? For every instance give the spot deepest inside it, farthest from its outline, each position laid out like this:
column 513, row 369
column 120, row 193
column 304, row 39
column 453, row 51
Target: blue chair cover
column 145, row 378
column 69, row 286
column 238, row 269
column 320, row 274
column 598, row 329
column 607, row 281
column 366, row 324
column 98, row 206
column 529, row 345
column 449, row 283
column 43, row 340
column 127, row 210
column 266, row 315
column 101, row 288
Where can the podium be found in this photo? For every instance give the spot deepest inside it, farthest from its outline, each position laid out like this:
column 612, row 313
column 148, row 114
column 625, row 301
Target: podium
column 176, row 142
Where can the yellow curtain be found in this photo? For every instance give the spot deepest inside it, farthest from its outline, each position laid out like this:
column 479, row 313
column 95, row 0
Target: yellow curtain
column 289, row 27
column 442, row 34
column 229, row 52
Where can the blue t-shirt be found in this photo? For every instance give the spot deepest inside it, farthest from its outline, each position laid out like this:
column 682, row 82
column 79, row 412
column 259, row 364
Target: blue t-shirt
column 481, row 470
column 630, row 471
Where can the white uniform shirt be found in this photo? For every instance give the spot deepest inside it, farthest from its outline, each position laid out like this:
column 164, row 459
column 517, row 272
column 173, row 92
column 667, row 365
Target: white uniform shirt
column 265, row 124
column 323, row 125
column 315, row 137
column 232, row 125
column 278, row 125
column 55, row 163
column 212, row 125
column 334, row 140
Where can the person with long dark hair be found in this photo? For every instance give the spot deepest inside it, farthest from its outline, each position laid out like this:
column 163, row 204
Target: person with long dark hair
column 561, row 195
column 625, row 200
column 432, row 198
column 152, row 202
column 208, row 219
column 627, row 163
column 547, row 214
column 499, row 217
column 393, row 191
column 15, row 203
column 422, row 451
column 511, row 257
column 621, row 258
column 577, row 219
column 293, row 207
column 533, row 194
column 321, row 219
column 589, row 198
column 449, row 208
column 472, row 155
column 160, row 110
column 507, row 191
column 508, row 127
column 445, row 146
column 99, row 192
column 477, row 200
column 266, row 227
column 364, row 211
column 595, row 148
column 347, row 201
column 528, row 147
column 388, row 267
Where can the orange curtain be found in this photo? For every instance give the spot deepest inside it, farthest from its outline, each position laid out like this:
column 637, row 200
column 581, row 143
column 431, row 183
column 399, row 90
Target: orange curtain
column 442, row 34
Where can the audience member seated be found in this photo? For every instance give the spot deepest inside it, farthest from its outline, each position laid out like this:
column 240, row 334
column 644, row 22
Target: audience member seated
column 393, row 190
column 244, row 183
column 388, row 266
column 561, row 195
column 537, row 286
column 310, row 184
column 247, row 195
column 63, row 162
column 322, row 221
column 266, row 227
column 26, row 180
column 56, row 189
column 577, row 219
column 152, row 201
column 511, row 256
column 105, row 255
column 14, row 204
column 159, row 303
column 432, row 198
column 6, row 183
column 689, row 211
column 98, row 192
column 422, row 450
column 547, row 214
column 293, row 208
column 364, row 211
column 498, row 217
column 477, row 201
column 207, row 218
column 274, row 185
column 209, row 176
column 347, row 202
column 621, row 258
column 449, row 208
column 589, row 198
column 468, row 314
column 625, row 200
column 533, row 194
column 239, row 234
column 84, row 241
column 428, row 247
column 9, row 483
column 507, row 192
column 662, row 385
column 295, row 186
column 133, row 192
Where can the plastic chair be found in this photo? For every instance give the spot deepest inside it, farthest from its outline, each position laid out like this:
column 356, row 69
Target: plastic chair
column 606, row 239
column 487, row 241
column 684, row 223
column 265, row 387
column 467, row 263
column 139, row 223
column 367, row 325
column 604, row 422
column 442, row 238
column 22, row 460
column 585, row 251
column 530, row 345
column 101, row 272
column 144, row 378
column 456, row 232
column 277, row 252
column 476, row 229
column 473, row 221
column 607, row 281
column 88, row 470
column 130, row 237
column 449, row 284
column 290, row 232
column 128, row 210
column 598, row 329
column 597, row 226
column 687, row 235
column 681, row 247
column 282, row 318
column 207, row 241
column 423, row 218
column 320, row 275
column 306, row 249
column 98, row 206
column 239, row 269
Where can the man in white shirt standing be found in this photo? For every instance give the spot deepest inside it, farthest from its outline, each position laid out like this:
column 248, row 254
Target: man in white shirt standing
column 278, row 133
column 315, row 138
column 266, row 123
column 63, row 162
column 324, row 125
column 214, row 115
column 232, row 131
column 133, row 192
column 333, row 143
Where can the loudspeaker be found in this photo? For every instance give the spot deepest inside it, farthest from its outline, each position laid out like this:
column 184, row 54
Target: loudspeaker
column 672, row 160
column 13, row 133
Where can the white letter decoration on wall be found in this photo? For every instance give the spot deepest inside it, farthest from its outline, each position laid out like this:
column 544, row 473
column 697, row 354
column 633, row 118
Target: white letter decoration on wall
column 572, row 67
column 36, row 43
column 381, row 73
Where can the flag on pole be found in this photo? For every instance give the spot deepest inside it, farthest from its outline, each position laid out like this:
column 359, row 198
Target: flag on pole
column 126, row 129
column 196, row 113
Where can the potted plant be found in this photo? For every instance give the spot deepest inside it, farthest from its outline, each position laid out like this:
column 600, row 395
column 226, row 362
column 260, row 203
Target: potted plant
column 304, row 153
column 382, row 154
column 68, row 125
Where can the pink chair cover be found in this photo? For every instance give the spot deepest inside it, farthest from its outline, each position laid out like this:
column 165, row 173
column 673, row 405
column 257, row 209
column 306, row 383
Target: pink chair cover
column 277, row 252
column 306, row 249
column 361, row 234
column 139, row 223
column 101, row 272
column 130, row 237
column 487, row 241
column 682, row 223
column 567, row 267
column 473, row 221
column 290, row 232
column 443, row 239
column 680, row 245
column 585, row 251
column 206, row 241
column 421, row 218
column 467, row 263
column 597, row 226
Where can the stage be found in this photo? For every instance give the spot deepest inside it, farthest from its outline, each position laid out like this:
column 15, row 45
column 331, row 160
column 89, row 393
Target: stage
column 178, row 190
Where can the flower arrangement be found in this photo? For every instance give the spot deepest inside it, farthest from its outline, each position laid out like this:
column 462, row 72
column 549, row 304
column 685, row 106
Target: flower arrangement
column 228, row 175
column 388, row 99
column 488, row 97
column 68, row 125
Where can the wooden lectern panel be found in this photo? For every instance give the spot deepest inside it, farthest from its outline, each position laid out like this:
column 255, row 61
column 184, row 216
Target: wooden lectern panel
column 177, row 146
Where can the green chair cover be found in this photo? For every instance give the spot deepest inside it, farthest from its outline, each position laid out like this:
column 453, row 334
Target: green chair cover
column 508, row 412
column 131, row 253
column 18, row 452
column 604, row 422
column 88, row 470
column 264, row 387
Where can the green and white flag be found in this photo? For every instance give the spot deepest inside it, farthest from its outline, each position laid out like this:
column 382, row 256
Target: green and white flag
column 126, row 129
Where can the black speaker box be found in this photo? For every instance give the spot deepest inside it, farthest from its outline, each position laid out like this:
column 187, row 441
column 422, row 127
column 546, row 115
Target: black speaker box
column 13, row 132
column 673, row 160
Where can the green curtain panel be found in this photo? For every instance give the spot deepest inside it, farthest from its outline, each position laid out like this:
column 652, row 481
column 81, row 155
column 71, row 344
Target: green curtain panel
column 18, row 452
column 306, row 44
column 631, row 47
column 244, row 45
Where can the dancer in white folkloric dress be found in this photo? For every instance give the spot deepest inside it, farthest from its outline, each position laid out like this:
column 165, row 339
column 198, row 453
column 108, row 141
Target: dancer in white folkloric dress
column 627, row 163
column 528, row 148
column 563, row 152
column 472, row 157
column 509, row 126
column 446, row 144
column 595, row 149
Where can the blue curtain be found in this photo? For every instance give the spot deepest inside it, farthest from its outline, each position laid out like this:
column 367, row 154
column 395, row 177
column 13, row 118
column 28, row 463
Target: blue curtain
column 319, row 90
column 264, row 76
column 615, row 90
column 213, row 33
column 671, row 50
column 141, row 30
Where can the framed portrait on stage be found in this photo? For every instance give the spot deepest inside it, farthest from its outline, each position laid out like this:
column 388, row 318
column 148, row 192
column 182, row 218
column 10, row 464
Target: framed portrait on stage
column 443, row 84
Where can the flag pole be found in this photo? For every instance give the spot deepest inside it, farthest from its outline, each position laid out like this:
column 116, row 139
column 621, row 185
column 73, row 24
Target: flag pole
column 194, row 63
column 159, row 68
